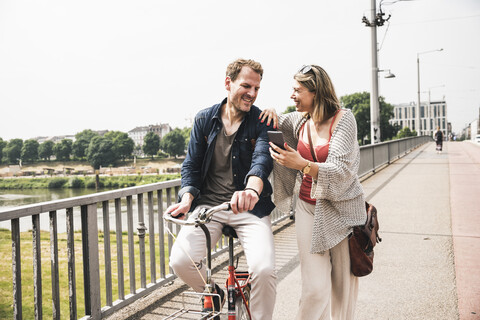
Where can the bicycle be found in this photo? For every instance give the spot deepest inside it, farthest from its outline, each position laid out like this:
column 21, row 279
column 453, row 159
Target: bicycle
column 237, row 284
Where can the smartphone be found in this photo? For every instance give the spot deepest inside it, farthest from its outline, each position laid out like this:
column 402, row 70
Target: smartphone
column 277, row 138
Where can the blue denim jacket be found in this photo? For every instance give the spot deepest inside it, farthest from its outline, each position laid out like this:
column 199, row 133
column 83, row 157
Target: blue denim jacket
column 250, row 155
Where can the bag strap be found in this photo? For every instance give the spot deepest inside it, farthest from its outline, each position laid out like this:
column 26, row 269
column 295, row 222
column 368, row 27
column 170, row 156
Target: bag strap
column 310, row 142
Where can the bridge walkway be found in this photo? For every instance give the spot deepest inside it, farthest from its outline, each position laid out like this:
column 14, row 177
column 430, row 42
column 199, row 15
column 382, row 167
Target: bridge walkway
column 426, row 267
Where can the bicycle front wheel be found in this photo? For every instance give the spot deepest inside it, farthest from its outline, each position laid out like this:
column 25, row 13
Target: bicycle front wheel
column 241, row 308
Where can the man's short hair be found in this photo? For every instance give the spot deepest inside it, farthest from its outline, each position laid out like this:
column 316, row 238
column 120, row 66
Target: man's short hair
column 236, row 66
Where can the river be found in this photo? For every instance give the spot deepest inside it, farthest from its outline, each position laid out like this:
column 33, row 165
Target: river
column 14, row 198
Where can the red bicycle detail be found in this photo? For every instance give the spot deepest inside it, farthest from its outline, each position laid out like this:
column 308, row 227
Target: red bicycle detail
column 238, row 282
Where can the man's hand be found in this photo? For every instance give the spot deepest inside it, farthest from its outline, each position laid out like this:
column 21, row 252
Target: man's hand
column 244, row 200
column 180, row 210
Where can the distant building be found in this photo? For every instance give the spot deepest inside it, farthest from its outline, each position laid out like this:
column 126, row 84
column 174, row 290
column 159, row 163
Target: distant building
column 432, row 114
column 138, row 134
column 57, row 139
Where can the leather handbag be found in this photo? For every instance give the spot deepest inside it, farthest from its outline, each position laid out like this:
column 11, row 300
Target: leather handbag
column 363, row 238
column 361, row 243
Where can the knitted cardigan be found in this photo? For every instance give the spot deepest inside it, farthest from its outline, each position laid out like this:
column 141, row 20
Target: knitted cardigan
column 340, row 203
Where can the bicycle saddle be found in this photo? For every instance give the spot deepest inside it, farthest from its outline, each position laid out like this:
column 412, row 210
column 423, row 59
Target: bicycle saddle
column 229, row 231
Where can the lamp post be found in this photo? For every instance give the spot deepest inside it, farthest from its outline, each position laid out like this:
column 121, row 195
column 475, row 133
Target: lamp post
column 376, row 19
column 417, row 115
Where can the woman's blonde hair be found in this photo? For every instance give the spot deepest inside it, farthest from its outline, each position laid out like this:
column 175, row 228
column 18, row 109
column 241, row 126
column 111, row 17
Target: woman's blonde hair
column 316, row 80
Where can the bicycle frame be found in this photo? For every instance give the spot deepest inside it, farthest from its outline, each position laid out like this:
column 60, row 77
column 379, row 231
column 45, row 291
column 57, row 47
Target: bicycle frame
column 235, row 289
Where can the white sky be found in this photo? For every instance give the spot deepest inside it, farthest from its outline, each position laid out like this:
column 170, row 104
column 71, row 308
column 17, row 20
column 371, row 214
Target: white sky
column 66, row 66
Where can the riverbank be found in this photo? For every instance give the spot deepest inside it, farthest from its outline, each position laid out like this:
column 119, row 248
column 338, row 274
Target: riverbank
column 75, row 182
column 78, row 175
column 61, row 168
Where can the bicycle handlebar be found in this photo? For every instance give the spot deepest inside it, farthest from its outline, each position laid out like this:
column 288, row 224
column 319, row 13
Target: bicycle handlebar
column 204, row 216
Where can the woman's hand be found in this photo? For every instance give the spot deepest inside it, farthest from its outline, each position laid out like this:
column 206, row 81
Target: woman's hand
column 271, row 115
column 289, row 157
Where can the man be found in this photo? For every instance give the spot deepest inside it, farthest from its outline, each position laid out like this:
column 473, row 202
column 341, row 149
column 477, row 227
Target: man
column 228, row 161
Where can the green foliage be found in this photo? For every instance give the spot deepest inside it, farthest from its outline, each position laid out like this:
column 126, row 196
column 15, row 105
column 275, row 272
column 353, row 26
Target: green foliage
column 122, row 144
column 100, row 152
column 162, row 155
column 57, row 183
column 3, row 144
column 63, row 149
column 359, row 103
column 174, row 143
column 388, row 131
column 151, row 144
column 406, row 132
column 82, row 141
column 13, row 150
column 290, row 109
column 186, row 134
column 77, row 183
column 114, row 182
column 45, row 150
column 30, row 150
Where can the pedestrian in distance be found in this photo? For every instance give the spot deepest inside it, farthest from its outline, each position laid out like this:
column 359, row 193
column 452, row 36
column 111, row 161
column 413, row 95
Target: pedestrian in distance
column 322, row 155
column 438, row 137
column 228, row 160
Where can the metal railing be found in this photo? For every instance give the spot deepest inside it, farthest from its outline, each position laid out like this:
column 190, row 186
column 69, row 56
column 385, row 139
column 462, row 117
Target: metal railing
column 373, row 157
column 122, row 208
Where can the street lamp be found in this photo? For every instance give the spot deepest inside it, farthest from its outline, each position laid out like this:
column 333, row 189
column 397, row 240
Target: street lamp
column 417, row 115
column 376, row 19
column 388, row 75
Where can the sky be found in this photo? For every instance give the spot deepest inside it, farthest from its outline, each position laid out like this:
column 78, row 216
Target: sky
column 66, row 66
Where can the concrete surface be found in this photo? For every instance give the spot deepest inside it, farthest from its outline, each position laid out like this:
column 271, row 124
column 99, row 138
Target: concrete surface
column 426, row 267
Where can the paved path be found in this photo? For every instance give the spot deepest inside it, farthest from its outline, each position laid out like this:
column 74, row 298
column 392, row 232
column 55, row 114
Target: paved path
column 428, row 264
column 465, row 209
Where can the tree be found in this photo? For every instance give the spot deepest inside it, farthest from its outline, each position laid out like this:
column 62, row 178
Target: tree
column 290, row 109
column 406, row 132
column 30, row 150
column 174, row 143
column 122, row 144
column 151, row 144
column 388, row 131
column 3, row 144
column 82, row 141
column 45, row 150
column 13, row 150
column 186, row 134
column 100, row 152
column 359, row 103
column 63, row 149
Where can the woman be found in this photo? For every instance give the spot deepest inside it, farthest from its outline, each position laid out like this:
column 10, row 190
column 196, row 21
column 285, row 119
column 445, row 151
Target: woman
column 330, row 200
column 438, row 136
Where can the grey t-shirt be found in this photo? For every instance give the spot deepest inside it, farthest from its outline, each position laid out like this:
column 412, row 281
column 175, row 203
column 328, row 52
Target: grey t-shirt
column 218, row 186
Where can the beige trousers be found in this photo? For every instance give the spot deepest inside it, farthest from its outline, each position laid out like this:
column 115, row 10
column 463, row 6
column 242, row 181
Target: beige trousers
column 256, row 237
column 329, row 289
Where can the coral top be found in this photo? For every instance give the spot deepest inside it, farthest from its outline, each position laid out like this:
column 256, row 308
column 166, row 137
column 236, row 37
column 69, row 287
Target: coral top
column 321, row 152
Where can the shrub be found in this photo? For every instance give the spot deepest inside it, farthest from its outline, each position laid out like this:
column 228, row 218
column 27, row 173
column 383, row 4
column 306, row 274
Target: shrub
column 77, row 183
column 91, row 184
column 57, row 183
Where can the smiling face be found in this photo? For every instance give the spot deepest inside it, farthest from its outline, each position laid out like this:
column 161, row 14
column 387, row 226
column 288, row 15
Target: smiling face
column 243, row 92
column 302, row 97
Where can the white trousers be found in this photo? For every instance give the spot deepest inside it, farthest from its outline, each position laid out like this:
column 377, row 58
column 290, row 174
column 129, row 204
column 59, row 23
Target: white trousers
column 256, row 238
column 329, row 289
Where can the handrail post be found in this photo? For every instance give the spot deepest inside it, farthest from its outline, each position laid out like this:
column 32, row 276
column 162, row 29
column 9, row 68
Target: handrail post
column 141, row 230
column 91, row 274
column 16, row 270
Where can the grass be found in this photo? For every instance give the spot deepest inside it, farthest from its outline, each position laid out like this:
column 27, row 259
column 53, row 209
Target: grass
column 6, row 288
